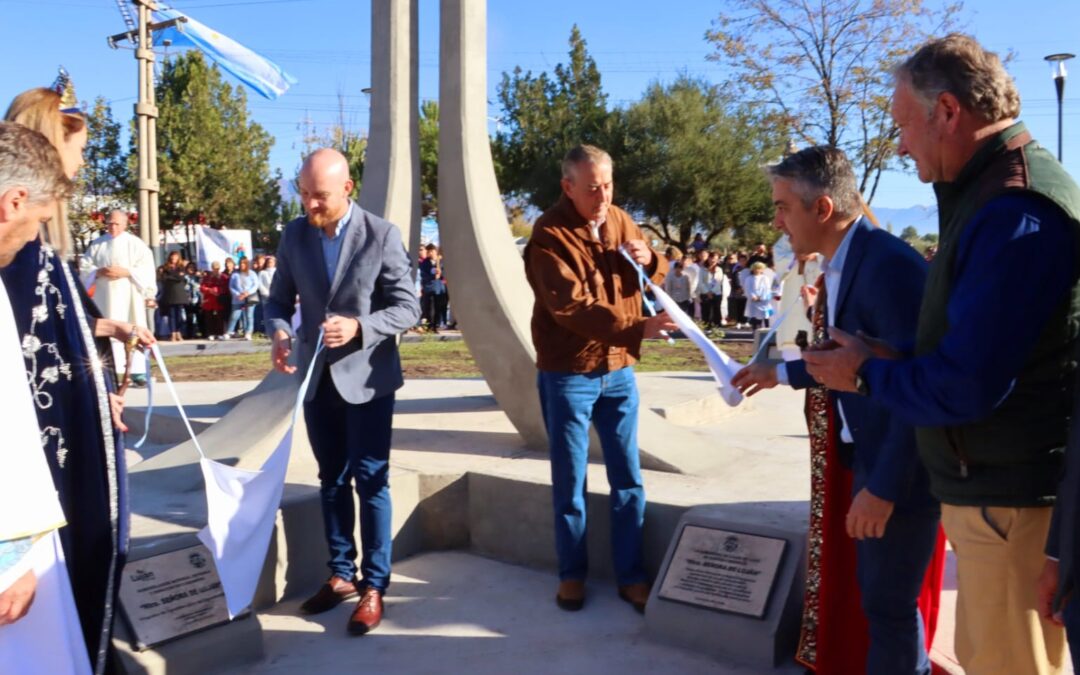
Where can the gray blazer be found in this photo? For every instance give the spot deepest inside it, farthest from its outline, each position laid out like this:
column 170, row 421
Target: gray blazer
column 372, row 283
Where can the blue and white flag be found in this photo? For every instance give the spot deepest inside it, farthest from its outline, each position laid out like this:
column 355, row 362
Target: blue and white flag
column 257, row 72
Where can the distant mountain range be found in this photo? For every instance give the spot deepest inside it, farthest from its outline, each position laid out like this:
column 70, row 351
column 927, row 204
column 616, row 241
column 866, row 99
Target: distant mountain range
column 923, row 218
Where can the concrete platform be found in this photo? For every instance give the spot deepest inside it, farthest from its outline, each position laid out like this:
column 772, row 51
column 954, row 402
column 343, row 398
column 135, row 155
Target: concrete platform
column 457, row 613
column 462, row 479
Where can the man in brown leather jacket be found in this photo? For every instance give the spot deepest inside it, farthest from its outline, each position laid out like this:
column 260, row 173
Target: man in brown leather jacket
column 587, row 328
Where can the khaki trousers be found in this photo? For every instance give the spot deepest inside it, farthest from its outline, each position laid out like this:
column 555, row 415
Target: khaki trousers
column 999, row 555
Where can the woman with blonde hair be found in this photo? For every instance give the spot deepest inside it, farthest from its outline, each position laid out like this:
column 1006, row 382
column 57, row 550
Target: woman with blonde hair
column 77, row 409
column 46, row 111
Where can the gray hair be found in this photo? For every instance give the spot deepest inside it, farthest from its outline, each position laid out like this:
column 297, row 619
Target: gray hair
column 28, row 160
column 125, row 214
column 821, row 170
column 584, row 154
column 959, row 65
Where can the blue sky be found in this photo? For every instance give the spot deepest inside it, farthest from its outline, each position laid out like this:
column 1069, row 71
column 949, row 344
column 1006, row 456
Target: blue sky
column 325, row 45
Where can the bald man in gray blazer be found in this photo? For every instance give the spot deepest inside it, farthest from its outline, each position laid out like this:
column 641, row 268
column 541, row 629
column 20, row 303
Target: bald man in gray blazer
column 352, row 275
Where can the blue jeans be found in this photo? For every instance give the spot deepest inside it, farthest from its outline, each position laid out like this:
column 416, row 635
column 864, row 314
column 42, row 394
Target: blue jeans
column 890, row 573
column 570, row 402
column 238, row 310
column 352, row 443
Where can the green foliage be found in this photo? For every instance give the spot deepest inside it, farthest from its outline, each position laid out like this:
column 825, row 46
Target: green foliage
column 290, row 210
column 690, row 161
column 823, row 67
column 543, row 117
column 104, row 181
column 349, row 142
column 429, row 157
column 212, row 161
column 757, row 233
column 909, row 233
column 105, row 173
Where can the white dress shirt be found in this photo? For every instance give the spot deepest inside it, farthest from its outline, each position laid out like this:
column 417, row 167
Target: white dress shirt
column 833, row 270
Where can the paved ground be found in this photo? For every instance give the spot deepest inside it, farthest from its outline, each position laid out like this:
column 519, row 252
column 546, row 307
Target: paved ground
column 459, row 613
column 484, row 616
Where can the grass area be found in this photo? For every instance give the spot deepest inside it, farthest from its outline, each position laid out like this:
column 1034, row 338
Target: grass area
column 431, row 359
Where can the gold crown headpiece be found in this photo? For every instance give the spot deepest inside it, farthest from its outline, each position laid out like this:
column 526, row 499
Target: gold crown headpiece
column 69, row 103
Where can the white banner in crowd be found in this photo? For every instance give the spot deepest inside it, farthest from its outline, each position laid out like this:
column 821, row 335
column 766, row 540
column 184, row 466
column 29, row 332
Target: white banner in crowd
column 216, row 245
column 241, row 505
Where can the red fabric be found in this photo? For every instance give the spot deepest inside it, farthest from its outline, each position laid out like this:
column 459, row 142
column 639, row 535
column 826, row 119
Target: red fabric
column 213, row 287
column 843, row 639
column 837, row 642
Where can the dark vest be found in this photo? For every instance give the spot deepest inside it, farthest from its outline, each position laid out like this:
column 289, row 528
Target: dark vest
column 1013, row 456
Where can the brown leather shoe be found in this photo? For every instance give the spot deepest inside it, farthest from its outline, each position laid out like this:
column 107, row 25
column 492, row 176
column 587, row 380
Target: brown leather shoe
column 368, row 613
column 330, row 595
column 571, row 595
column 636, row 594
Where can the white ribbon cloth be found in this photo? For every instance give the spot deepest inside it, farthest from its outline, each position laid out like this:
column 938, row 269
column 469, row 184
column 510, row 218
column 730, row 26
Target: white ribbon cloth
column 241, row 505
column 722, row 366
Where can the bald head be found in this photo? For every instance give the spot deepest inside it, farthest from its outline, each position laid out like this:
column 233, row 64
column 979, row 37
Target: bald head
column 325, row 186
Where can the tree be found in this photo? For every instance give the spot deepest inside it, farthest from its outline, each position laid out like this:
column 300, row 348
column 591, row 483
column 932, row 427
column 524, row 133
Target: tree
column 103, row 182
column 909, row 233
column 691, row 161
column 353, row 144
column 542, row 118
column 342, row 137
column 823, row 66
column 429, row 157
column 213, row 163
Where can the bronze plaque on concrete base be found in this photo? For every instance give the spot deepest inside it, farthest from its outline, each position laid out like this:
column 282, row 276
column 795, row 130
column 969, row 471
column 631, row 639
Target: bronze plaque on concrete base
column 172, row 594
column 723, row 570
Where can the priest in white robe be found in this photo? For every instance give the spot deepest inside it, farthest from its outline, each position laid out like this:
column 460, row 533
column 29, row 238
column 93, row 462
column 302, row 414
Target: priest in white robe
column 122, row 272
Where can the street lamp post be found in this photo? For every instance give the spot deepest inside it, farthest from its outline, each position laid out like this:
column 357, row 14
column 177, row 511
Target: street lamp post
column 1057, row 68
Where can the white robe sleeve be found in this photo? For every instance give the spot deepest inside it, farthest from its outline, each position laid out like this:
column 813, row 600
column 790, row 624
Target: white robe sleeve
column 143, row 271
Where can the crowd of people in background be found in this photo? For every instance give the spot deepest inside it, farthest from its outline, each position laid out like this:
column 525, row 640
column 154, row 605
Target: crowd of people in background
column 728, row 289
column 434, row 292
column 721, row 288
column 222, row 303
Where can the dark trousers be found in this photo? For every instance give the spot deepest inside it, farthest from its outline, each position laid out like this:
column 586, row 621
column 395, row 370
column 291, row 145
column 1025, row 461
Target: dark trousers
column 1071, row 615
column 214, row 322
column 351, row 443
column 737, row 309
column 891, row 572
column 195, row 322
column 441, row 302
column 433, row 308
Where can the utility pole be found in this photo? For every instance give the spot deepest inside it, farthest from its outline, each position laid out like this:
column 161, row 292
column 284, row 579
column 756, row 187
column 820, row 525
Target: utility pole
column 140, row 34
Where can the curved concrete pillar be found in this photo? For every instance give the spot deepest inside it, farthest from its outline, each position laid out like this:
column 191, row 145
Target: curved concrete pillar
column 492, row 299
column 391, row 184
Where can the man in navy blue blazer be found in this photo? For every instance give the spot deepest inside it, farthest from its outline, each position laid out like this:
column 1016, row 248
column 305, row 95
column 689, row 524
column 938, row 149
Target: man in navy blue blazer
column 873, row 283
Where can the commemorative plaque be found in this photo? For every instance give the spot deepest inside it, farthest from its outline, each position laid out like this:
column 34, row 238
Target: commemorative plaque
column 172, row 594
column 723, row 570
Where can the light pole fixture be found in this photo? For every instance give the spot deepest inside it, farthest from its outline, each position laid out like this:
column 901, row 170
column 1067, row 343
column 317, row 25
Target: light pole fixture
column 1057, row 70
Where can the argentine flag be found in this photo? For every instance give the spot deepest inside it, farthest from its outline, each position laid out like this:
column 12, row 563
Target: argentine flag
column 257, row 72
